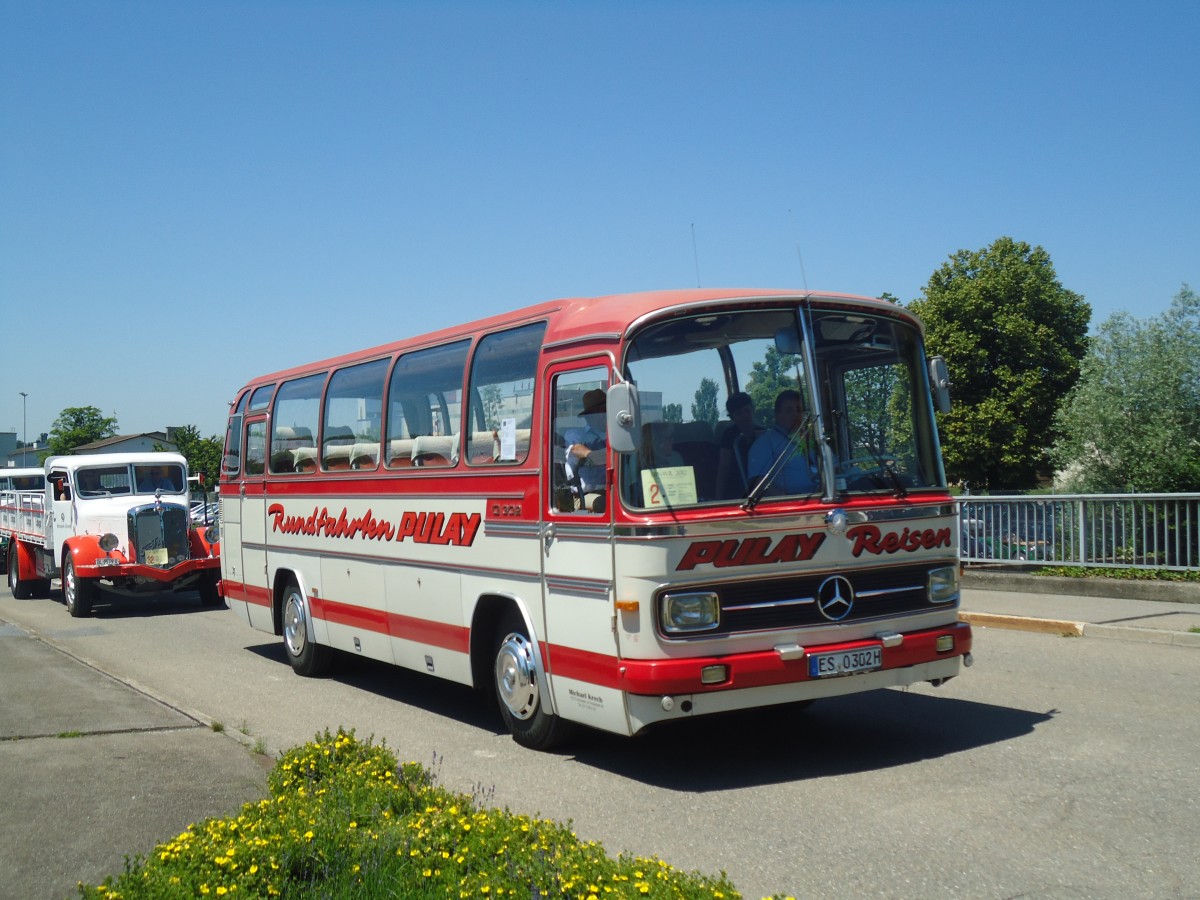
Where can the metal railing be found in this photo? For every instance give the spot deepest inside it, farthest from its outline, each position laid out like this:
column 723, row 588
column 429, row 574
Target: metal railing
column 1141, row 531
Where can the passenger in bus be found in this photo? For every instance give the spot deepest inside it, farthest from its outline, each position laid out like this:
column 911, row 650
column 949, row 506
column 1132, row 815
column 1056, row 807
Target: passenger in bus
column 585, row 455
column 736, row 441
column 155, row 478
column 798, row 472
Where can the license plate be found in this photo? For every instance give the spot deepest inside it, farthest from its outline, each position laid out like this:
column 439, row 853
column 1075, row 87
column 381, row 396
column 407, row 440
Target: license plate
column 157, row 557
column 845, row 662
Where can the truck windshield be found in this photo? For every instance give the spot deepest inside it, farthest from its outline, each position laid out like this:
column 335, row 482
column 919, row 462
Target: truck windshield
column 102, row 481
column 729, row 410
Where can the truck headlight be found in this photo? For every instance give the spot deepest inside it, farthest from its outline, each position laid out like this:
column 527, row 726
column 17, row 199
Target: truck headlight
column 109, row 542
column 681, row 613
column 943, row 584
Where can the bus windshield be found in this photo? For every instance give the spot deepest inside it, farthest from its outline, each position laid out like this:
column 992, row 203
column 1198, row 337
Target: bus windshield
column 763, row 404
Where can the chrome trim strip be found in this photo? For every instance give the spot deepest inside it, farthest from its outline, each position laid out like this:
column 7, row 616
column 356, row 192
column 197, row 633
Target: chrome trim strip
column 591, row 586
column 893, row 590
column 512, row 529
column 770, row 604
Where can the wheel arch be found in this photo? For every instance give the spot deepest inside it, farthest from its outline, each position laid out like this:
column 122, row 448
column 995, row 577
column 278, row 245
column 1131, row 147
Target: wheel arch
column 490, row 611
column 278, row 584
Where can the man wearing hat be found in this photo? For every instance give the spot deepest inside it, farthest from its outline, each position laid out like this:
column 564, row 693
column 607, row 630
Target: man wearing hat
column 585, row 446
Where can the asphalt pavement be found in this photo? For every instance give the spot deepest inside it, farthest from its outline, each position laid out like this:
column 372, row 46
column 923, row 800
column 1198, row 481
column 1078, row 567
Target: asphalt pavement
column 93, row 768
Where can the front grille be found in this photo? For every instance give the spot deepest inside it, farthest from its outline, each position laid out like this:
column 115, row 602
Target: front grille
column 792, row 602
column 153, row 527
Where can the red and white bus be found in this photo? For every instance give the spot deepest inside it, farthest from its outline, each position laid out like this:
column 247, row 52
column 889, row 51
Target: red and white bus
column 497, row 504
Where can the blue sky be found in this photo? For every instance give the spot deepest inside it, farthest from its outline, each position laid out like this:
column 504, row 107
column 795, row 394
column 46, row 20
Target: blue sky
column 193, row 194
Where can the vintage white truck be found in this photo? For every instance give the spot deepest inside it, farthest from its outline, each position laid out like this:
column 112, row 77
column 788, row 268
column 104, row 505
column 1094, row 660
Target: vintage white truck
column 118, row 521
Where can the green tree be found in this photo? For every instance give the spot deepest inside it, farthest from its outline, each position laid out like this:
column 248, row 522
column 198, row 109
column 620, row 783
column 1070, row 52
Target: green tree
column 777, row 372
column 1132, row 423
column 705, row 407
column 1012, row 337
column 672, row 412
column 79, row 425
column 203, row 455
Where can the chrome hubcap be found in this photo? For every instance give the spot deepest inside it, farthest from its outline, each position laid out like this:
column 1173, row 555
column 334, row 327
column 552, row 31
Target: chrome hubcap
column 516, row 677
column 294, row 634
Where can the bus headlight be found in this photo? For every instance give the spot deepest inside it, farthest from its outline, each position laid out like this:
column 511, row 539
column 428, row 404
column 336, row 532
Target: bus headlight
column 943, row 584
column 109, row 542
column 681, row 613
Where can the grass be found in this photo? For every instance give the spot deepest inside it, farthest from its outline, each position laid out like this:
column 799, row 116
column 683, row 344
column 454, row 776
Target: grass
column 343, row 819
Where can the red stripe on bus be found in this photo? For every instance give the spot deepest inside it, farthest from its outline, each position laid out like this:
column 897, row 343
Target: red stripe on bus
column 247, row 593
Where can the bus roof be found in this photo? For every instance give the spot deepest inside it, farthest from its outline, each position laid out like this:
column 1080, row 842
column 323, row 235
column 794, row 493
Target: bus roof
column 598, row 319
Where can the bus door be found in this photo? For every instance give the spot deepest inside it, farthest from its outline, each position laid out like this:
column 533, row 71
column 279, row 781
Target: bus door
column 253, row 517
column 577, row 563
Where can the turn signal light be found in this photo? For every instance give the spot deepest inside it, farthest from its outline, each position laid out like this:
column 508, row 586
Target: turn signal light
column 714, row 674
column 945, row 643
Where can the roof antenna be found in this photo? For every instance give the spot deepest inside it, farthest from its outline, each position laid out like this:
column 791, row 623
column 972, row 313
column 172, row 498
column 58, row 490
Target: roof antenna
column 803, row 276
column 695, row 254
column 800, row 257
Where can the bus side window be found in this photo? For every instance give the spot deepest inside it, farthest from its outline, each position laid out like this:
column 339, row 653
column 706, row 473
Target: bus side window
column 581, row 441
column 353, row 412
column 231, row 461
column 425, row 406
column 294, row 421
column 256, row 448
column 502, row 380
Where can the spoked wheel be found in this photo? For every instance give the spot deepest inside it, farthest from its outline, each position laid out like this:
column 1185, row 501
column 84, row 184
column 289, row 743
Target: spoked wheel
column 307, row 657
column 518, row 690
column 22, row 590
column 79, row 593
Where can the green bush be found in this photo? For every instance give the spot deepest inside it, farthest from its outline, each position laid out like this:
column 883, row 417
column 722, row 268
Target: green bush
column 343, row 820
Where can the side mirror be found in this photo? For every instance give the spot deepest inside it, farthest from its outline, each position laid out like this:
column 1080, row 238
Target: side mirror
column 939, row 383
column 624, row 418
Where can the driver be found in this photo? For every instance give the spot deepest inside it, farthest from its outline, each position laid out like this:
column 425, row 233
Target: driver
column 798, row 474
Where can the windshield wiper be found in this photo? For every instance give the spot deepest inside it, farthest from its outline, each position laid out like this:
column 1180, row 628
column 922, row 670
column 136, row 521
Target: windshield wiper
column 886, row 466
column 795, row 439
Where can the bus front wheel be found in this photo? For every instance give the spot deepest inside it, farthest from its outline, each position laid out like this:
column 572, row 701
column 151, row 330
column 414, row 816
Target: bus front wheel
column 518, row 690
column 308, row 658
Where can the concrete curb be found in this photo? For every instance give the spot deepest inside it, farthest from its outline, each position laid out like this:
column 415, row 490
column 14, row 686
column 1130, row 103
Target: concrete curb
column 1023, row 582
column 1067, row 628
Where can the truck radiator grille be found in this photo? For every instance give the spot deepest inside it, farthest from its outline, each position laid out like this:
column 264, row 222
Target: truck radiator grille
column 152, row 529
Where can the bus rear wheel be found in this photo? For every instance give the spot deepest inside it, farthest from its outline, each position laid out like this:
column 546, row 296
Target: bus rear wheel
column 78, row 593
column 518, row 689
column 308, row 658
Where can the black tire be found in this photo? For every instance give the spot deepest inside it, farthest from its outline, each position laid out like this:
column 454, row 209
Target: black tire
column 21, row 590
column 210, row 592
column 518, row 693
column 308, row 658
column 78, row 593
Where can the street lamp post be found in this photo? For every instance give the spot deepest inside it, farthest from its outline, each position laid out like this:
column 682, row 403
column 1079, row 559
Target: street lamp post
column 24, row 432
